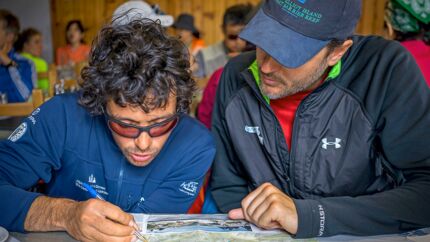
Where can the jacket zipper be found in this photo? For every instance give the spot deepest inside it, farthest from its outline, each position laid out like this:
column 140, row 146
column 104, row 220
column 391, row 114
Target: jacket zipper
column 291, row 161
column 260, row 98
column 293, row 148
column 120, row 178
column 294, row 139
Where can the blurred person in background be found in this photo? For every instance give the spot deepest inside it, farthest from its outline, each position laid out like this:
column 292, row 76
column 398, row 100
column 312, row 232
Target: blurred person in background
column 17, row 74
column 409, row 23
column 138, row 9
column 76, row 51
column 204, row 110
column 189, row 35
column 215, row 56
column 29, row 45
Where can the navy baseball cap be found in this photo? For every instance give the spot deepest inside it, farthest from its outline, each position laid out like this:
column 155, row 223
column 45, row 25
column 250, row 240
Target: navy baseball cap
column 293, row 31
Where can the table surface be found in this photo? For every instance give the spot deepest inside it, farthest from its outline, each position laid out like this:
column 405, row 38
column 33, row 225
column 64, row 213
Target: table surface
column 422, row 235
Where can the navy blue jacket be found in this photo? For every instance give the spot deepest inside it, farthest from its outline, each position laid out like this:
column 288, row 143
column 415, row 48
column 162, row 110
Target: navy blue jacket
column 62, row 144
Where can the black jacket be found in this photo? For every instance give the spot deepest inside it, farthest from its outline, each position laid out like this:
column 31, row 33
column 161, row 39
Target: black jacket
column 360, row 156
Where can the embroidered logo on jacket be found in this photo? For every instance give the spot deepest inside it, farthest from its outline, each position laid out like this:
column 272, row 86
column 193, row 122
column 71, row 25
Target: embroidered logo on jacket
column 18, row 133
column 254, row 130
column 98, row 188
column 189, row 188
column 326, row 143
column 322, row 220
column 92, row 179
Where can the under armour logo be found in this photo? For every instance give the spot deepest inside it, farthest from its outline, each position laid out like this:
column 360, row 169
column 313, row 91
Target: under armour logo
column 326, row 143
column 254, row 130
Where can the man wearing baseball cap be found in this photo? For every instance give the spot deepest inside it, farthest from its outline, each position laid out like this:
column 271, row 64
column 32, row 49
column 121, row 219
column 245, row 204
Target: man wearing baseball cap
column 319, row 131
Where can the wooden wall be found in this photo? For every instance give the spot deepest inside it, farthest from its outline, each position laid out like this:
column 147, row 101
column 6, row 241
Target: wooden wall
column 207, row 13
column 372, row 17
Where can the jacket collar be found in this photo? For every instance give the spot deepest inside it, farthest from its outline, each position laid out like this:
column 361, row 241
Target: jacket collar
column 253, row 69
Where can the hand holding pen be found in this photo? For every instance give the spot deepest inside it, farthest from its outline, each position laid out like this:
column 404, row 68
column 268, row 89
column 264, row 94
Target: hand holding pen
column 94, row 194
column 97, row 220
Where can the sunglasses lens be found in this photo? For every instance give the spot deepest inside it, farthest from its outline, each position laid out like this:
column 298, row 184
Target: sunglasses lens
column 163, row 129
column 124, row 131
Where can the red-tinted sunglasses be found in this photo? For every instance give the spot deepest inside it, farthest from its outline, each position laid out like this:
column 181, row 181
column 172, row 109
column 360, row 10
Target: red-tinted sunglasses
column 133, row 131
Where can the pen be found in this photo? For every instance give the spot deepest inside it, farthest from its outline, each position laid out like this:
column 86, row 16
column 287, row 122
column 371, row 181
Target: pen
column 95, row 194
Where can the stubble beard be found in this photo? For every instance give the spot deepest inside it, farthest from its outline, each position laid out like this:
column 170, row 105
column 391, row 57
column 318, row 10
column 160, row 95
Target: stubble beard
column 296, row 86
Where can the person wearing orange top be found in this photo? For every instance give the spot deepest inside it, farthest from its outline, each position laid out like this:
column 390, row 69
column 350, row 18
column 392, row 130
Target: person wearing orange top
column 75, row 51
column 189, row 35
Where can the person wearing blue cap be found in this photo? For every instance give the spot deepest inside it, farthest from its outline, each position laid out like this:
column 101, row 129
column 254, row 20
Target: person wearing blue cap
column 319, row 131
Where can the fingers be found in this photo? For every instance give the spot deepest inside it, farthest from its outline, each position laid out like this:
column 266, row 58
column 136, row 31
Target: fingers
column 269, row 208
column 109, row 227
column 113, row 221
column 256, row 210
column 248, row 199
column 267, row 217
column 97, row 220
column 116, row 214
column 236, row 214
column 266, row 194
column 255, row 199
column 266, row 222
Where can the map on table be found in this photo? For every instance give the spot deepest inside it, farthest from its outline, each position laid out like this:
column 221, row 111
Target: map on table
column 202, row 227
column 217, row 227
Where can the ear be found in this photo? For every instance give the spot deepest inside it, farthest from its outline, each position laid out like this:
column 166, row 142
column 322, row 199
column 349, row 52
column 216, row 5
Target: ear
column 389, row 31
column 337, row 53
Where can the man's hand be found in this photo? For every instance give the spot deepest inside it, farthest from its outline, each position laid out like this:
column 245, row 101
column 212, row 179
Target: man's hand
column 97, row 220
column 268, row 208
column 91, row 220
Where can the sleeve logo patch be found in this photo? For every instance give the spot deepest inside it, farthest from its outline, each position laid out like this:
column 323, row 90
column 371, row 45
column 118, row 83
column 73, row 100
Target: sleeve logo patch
column 189, row 188
column 18, row 133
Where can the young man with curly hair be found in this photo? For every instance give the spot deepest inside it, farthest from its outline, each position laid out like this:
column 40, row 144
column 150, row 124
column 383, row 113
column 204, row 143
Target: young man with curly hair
column 126, row 134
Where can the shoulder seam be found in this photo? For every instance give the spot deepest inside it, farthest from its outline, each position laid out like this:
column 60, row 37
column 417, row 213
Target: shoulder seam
column 355, row 97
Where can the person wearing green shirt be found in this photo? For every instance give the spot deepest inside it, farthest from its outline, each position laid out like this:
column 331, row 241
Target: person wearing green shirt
column 29, row 45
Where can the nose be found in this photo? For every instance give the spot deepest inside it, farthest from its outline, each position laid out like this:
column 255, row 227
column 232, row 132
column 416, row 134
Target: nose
column 268, row 64
column 144, row 141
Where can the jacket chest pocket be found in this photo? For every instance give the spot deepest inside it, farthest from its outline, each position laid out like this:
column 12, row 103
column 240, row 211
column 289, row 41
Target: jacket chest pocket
column 68, row 181
column 332, row 152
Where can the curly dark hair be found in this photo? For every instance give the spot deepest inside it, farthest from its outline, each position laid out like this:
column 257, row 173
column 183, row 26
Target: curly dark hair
column 136, row 64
